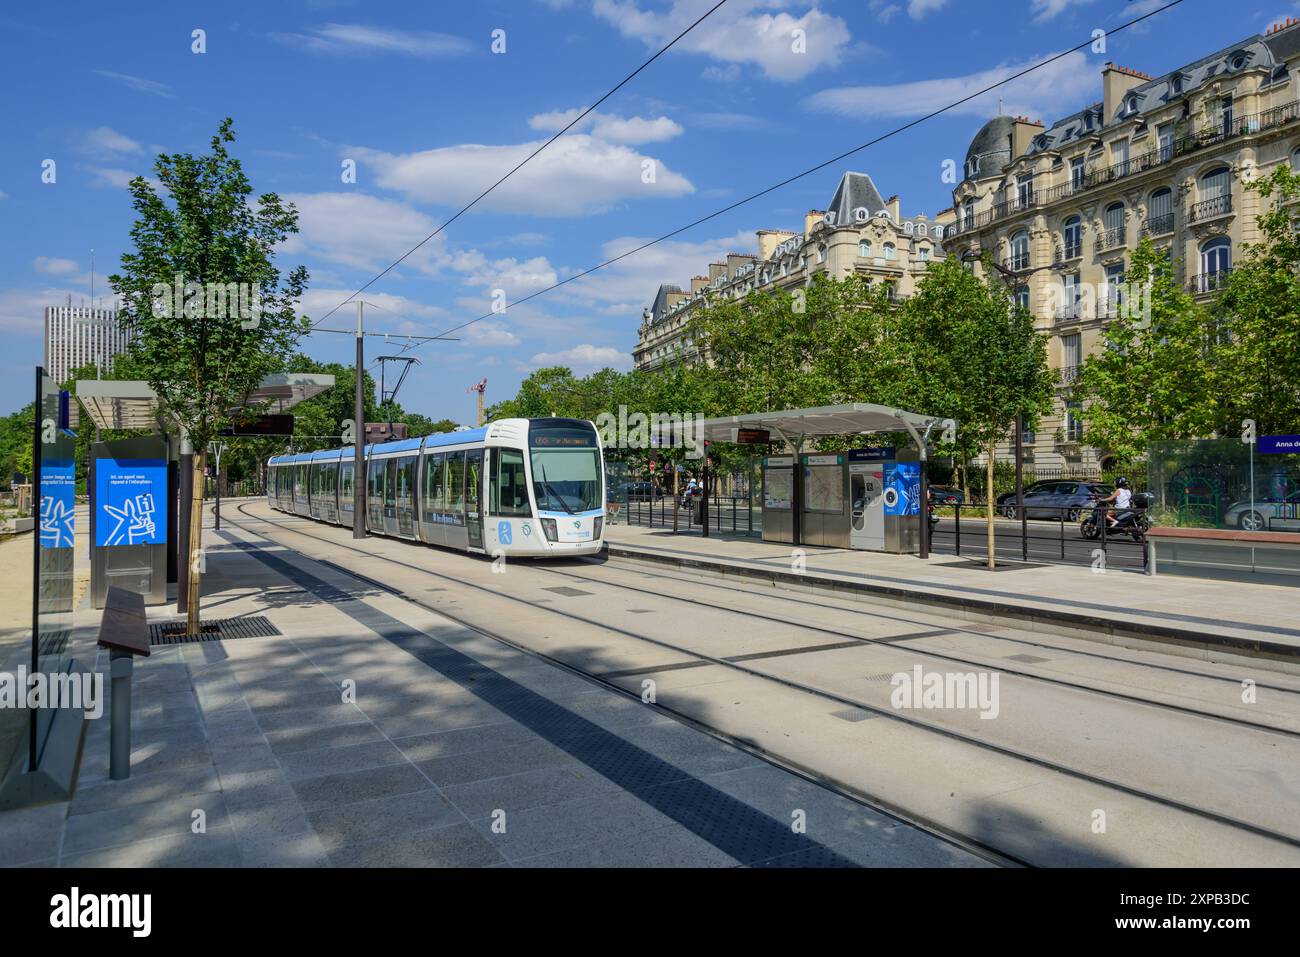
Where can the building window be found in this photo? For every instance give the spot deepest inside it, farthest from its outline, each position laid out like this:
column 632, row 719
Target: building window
column 1071, row 356
column 1216, row 263
column 924, row 253
column 1295, row 159
column 1025, row 190
column 1131, row 105
column 1019, row 258
column 1022, row 297
column 1225, row 114
column 921, row 229
column 821, row 254
column 1076, row 173
column 1114, row 288
column 1073, row 238
column 968, row 214
column 1113, row 222
column 864, row 247
column 1074, row 422
column 1216, row 194
column 890, row 251
column 1119, row 155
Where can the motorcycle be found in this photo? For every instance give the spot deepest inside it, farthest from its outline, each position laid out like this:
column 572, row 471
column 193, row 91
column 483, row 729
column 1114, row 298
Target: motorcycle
column 1131, row 521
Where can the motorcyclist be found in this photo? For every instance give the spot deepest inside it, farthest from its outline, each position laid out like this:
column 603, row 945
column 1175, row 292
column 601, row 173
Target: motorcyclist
column 1121, row 498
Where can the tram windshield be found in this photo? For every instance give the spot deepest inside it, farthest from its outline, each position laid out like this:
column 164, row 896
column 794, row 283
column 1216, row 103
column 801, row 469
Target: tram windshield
column 566, row 469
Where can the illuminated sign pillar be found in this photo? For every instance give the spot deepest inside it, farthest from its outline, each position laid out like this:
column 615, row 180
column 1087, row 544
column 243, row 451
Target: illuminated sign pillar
column 129, row 511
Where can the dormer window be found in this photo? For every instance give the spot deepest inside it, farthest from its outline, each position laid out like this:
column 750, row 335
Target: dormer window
column 1131, row 105
column 1238, row 61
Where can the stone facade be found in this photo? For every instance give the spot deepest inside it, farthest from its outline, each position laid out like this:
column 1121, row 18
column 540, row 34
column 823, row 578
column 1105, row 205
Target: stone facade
column 1060, row 209
column 858, row 233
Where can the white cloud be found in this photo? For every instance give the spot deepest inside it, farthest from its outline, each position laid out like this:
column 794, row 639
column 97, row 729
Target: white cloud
column 1054, row 89
column 119, row 178
column 737, row 33
column 103, row 139
column 722, row 74
column 1044, row 10
column 883, row 10
column 351, row 39
column 607, row 126
column 22, row 311
column 487, row 334
column 363, row 232
column 3, row 194
column 139, row 84
column 584, row 358
column 577, row 174
column 916, row 9
column 383, row 311
column 54, row 267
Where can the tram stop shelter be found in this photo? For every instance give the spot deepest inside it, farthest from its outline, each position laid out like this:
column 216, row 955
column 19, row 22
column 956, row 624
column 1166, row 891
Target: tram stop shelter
column 868, row 497
column 139, row 487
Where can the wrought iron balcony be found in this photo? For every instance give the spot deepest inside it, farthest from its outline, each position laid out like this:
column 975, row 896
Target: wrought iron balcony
column 1158, row 225
column 1208, row 282
column 1209, row 208
column 1113, row 238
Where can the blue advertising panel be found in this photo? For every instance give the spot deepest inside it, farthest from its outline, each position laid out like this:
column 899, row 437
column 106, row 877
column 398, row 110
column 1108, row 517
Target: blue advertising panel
column 903, row 488
column 130, row 501
column 1279, row 444
column 58, row 484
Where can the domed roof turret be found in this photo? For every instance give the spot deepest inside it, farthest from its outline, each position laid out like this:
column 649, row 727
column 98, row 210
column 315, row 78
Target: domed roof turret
column 990, row 150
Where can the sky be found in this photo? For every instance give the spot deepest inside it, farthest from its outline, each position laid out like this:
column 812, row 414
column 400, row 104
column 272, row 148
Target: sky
column 431, row 102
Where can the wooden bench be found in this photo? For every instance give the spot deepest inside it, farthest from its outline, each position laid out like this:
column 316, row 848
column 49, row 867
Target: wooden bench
column 124, row 631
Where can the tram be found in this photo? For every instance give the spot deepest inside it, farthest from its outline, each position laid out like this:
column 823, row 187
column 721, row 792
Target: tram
column 513, row 487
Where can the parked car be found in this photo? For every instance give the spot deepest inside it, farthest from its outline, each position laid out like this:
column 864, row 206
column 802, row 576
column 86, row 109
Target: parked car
column 945, row 495
column 1059, row 499
column 641, row 492
column 1253, row 517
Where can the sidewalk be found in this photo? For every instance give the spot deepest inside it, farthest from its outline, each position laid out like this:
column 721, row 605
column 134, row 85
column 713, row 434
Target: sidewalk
column 457, row 750
column 1186, row 616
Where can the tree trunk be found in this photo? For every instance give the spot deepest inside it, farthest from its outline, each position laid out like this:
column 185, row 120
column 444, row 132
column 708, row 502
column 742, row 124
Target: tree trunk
column 196, row 543
column 988, row 503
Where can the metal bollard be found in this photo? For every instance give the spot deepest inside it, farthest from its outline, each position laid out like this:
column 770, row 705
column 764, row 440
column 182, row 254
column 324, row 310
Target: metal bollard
column 121, row 664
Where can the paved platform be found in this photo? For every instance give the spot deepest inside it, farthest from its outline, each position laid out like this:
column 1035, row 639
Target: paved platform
column 451, row 749
column 1200, row 618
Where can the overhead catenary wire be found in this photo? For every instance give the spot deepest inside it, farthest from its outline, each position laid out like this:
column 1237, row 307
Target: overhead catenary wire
column 807, row 172
column 574, row 122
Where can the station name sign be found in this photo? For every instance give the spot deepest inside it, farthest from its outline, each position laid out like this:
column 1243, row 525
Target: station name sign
column 1279, row 444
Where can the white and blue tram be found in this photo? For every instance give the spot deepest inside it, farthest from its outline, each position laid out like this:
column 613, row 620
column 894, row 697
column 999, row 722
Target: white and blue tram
column 513, row 487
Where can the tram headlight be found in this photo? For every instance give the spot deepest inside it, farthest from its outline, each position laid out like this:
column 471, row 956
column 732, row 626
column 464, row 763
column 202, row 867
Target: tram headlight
column 549, row 530
column 596, row 526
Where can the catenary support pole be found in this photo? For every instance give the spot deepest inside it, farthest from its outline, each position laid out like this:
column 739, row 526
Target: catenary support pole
column 359, row 440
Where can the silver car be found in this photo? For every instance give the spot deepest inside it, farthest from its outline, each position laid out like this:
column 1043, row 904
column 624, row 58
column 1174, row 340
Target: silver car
column 1254, row 517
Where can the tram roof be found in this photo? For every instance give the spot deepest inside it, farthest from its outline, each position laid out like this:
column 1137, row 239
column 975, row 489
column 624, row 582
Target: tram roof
column 849, row 419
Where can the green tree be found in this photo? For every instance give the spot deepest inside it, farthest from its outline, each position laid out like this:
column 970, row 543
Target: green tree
column 204, row 233
column 1258, row 311
column 962, row 349
column 1152, row 379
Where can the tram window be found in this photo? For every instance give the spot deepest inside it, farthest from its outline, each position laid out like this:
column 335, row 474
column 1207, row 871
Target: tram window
column 434, row 481
column 456, row 483
column 509, row 489
column 405, row 481
column 345, row 480
column 473, row 464
column 390, row 483
column 375, row 479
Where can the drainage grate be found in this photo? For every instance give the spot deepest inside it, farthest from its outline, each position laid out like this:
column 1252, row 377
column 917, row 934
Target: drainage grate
column 883, row 679
column 854, row 714
column 568, row 592
column 1027, row 659
column 219, row 629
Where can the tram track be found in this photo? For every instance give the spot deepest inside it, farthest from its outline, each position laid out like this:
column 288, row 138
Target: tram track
column 1006, row 751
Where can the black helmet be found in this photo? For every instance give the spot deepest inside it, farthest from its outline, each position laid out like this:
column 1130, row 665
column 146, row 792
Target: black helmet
column 1121, row 482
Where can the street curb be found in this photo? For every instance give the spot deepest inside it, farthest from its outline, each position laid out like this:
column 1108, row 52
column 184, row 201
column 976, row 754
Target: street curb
column 1169, row 639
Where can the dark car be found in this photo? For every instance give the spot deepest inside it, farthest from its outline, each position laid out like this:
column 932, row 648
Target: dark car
column 1066, row 499
column 946, row 495
column 641, row 492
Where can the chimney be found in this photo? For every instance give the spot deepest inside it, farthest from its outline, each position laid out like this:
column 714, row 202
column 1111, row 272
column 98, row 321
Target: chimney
column 1023, row 132
column 892, row 205
column 1280, row 25
column 811, row 219
column 769, row 239
column 698, row 283
column 1115, row 82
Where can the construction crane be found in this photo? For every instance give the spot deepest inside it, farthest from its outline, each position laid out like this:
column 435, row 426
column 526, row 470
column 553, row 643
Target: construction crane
column 480, row 388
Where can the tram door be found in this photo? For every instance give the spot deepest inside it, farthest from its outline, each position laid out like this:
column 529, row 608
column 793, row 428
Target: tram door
column 474, row 497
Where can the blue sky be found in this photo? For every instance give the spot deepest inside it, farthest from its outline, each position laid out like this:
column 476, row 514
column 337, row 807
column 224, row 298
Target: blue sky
column 415, row 96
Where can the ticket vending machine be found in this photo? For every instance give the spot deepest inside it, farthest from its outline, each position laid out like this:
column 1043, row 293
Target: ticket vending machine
column 866, row 497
